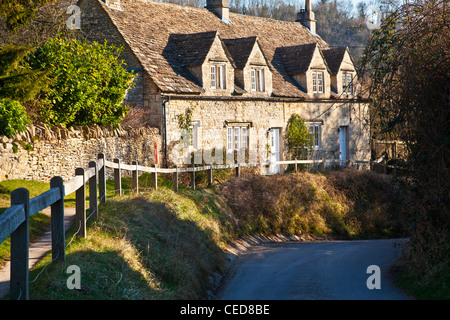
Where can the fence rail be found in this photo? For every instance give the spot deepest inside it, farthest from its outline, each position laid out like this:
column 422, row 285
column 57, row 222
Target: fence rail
column 14, row 221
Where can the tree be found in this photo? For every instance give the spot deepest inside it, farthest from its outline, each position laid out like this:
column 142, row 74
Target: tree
column 408, row 64
column 19, row 13
column 298, row 137
column 17, row 80
column 88, row 85
column 18, row 84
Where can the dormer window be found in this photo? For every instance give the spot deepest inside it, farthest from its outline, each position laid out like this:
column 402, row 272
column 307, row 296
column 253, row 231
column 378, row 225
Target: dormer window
column 218, row 77
column 258, row 80
column 317, row 82
column 347, row 82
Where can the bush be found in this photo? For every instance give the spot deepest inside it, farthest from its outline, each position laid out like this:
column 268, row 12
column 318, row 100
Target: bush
column 88, row 83
column 13, row 118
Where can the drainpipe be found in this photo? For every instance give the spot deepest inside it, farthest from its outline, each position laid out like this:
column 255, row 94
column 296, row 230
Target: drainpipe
column 164, row 100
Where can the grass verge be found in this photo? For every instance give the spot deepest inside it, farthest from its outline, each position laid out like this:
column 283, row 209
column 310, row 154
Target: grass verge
column 166, row 245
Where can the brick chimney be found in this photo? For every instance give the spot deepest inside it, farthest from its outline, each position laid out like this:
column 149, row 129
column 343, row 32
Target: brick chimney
column 220, row 8
column 307, row 17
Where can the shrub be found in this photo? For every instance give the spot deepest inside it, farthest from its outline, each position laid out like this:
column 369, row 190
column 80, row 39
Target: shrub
column 88, row 83
column 298, row 138
column 13, row 118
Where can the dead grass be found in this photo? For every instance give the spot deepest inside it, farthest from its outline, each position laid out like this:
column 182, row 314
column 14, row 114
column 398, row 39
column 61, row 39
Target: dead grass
column 166, row 245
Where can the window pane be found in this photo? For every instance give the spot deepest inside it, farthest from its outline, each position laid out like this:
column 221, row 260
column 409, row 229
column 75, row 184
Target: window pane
column 244, row 137
column 314, row 77
column 237, row 138
column 320, row 82
column 213, row 77
column 230, row 139
column 316, row 136
column 261, row 80
column 253, row 80
column 222, row 77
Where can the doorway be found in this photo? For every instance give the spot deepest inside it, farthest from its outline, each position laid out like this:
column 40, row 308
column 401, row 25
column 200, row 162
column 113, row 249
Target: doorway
column 343, row 137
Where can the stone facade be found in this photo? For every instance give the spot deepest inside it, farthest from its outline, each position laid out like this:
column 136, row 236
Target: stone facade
column 173, row 49
column 41, row 153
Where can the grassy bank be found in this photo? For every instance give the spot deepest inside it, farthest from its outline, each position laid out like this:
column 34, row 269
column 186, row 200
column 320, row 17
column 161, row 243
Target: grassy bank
column 166, row 245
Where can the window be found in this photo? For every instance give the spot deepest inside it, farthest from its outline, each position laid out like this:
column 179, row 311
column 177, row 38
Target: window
column 230, row 131
column 347, row 83
column 315, row 130
column 237, row 138
column 258, row 80
column 317, row 82
column 213, row 77
column 193, row 135
column 218, row 77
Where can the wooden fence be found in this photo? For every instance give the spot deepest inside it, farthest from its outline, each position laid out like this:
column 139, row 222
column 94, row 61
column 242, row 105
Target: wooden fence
column 15, row 220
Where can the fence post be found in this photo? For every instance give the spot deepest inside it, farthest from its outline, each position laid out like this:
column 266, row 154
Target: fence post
column 210, row 175
column 102, row 179
column 135, row 177
column 321, row 165
column 80, row 204
column 93, row 204
column 238, row 170
column 57, row 223
column 118, row 178
column 155, row 177
column 19, row 280
column 193, row 177
column 175, row 180
column 295, row 165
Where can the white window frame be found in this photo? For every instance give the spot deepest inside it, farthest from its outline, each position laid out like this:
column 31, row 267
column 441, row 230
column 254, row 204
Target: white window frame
column 237, row 138
column 222, row 77
column 218, row 76
column 347, row 83
column 318, row 82
column 258, row 80
column 316, row 130
column 230, row 139
column 213, row 77
column 254, row 86
column 193, row 137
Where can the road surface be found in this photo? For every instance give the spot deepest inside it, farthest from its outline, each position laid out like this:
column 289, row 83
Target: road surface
column 335, row 270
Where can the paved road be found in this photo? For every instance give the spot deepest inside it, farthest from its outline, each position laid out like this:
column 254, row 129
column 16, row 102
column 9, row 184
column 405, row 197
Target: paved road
column 313, row 270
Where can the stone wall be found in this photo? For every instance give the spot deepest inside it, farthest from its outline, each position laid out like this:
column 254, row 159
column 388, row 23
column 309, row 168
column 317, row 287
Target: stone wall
column 42, row 152
column 266, row 114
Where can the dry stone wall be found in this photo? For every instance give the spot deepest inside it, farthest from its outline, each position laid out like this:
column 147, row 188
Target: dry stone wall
column 42, row 152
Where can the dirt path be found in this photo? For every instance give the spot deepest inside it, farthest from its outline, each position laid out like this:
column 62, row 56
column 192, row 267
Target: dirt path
column 37, row 250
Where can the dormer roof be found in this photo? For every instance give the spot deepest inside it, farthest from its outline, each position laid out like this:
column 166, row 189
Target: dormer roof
column 334, row 58
column 241, row 49
column 297, row 59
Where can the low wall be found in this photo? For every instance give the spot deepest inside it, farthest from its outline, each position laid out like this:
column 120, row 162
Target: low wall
column 42, row 152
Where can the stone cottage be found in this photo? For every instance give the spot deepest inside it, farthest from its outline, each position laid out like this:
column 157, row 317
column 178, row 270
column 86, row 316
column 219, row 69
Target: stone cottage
column 241, row 78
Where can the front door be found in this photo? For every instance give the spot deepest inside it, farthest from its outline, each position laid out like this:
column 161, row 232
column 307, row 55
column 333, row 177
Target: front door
column 343, row 146
column 274, row 150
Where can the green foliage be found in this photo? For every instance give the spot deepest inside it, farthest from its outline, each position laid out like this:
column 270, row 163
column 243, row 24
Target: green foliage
column 17, row 80
column 88, row 83
column 18, row 13
column 298, row 138
column 13, row 118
